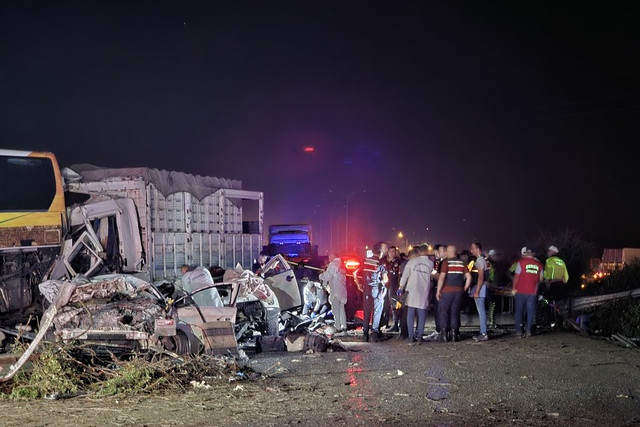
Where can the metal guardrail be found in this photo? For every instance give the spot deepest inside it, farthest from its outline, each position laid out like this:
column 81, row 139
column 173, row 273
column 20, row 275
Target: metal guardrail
column 583, row 303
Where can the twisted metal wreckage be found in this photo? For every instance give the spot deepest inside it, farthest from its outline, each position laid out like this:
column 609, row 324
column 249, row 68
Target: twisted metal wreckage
column 95, row 258
column 118, row 314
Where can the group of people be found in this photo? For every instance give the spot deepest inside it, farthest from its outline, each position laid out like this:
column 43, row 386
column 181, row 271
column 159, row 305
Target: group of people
column 415, row 284
column 528, row 275
column 398, row 291
column 331, row 291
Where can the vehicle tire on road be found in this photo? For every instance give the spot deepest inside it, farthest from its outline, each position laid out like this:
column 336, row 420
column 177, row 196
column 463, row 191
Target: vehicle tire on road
column 273, row 326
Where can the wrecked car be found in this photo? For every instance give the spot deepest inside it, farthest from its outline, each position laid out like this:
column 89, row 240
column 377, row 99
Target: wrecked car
column 114, row 315
column 117, row 315
column 260, row 300
column 120, row 314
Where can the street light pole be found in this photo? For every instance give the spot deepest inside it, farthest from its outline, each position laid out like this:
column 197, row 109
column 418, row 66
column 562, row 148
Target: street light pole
column 331, row 232
column 346, row 226
column 346, row 220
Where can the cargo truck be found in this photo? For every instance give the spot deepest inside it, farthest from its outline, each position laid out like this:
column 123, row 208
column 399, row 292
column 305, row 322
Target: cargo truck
column 616, row 259
column 139, row 221
column 293, row 241
column 150, row 222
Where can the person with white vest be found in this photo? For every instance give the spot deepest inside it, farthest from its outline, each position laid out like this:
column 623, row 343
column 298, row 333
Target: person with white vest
column 416, row 284
column 335, row 278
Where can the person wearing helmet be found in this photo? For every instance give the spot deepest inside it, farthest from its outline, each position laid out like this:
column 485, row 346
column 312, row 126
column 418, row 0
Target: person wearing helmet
column 555, row 286
column 556, row 275
column 526, row 279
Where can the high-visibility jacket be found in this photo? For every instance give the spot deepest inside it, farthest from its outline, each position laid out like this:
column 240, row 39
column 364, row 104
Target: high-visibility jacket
column 555, row 269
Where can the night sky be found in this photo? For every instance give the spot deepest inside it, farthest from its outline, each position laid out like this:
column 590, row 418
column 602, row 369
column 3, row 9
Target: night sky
column 447, row 121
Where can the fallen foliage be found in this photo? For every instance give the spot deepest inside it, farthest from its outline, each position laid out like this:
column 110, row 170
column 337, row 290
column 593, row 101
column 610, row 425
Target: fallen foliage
column 58, row 372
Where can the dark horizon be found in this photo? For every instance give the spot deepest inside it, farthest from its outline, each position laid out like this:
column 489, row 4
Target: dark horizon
column 476, row 122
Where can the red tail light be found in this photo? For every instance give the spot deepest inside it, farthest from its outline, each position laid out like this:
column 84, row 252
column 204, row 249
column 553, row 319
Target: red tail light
column 351, row 264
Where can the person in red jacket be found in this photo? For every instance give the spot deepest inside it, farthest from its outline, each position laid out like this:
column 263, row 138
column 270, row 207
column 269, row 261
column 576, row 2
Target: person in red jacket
column 528, row 275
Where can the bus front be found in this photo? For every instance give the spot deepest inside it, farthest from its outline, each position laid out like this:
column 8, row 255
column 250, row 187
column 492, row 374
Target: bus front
column 32, row 213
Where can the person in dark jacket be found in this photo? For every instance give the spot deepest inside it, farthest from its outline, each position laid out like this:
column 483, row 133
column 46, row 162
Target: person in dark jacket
column 454, row 279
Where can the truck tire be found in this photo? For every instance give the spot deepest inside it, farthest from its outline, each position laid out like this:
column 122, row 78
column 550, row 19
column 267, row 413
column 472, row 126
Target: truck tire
column 273, row 326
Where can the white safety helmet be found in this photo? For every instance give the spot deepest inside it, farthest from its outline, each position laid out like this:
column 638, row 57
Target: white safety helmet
column 553, row 249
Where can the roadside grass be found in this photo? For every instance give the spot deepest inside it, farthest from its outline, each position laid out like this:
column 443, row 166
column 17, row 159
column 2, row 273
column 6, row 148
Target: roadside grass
column 57, row 372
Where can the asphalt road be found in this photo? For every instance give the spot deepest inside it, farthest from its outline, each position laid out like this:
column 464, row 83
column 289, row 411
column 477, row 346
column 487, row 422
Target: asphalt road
column 558, row 379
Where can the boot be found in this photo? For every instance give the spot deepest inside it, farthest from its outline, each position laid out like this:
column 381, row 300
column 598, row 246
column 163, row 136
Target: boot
column 396, row 327
column 443, row 336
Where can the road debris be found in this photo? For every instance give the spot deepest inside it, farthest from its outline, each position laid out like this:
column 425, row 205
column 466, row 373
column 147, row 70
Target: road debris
column 200, row 384
column 622, row 340
column 59, row 372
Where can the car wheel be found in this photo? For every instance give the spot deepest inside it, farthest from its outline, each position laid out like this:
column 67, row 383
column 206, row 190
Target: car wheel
column 179, row 343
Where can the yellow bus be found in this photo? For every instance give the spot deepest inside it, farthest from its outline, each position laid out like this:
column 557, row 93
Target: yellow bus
column 32, row 220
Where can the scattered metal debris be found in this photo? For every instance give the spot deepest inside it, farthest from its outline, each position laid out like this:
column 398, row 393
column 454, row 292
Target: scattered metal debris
column 624, row 341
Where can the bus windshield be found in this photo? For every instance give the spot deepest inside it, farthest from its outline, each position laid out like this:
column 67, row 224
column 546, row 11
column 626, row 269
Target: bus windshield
column 28, row 183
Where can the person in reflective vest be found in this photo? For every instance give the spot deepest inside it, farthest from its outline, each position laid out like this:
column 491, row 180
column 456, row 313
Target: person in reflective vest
column 527, row 277
column 556, row 275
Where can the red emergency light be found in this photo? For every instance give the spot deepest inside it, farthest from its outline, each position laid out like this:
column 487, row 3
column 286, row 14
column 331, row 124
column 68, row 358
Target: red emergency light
column 309, row 149
column 351, row 264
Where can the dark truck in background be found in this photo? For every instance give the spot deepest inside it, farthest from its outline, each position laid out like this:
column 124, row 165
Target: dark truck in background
column 293, row 241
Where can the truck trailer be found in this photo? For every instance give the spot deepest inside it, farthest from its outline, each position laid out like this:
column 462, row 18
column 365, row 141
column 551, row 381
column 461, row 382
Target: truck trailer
column 182, row 219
